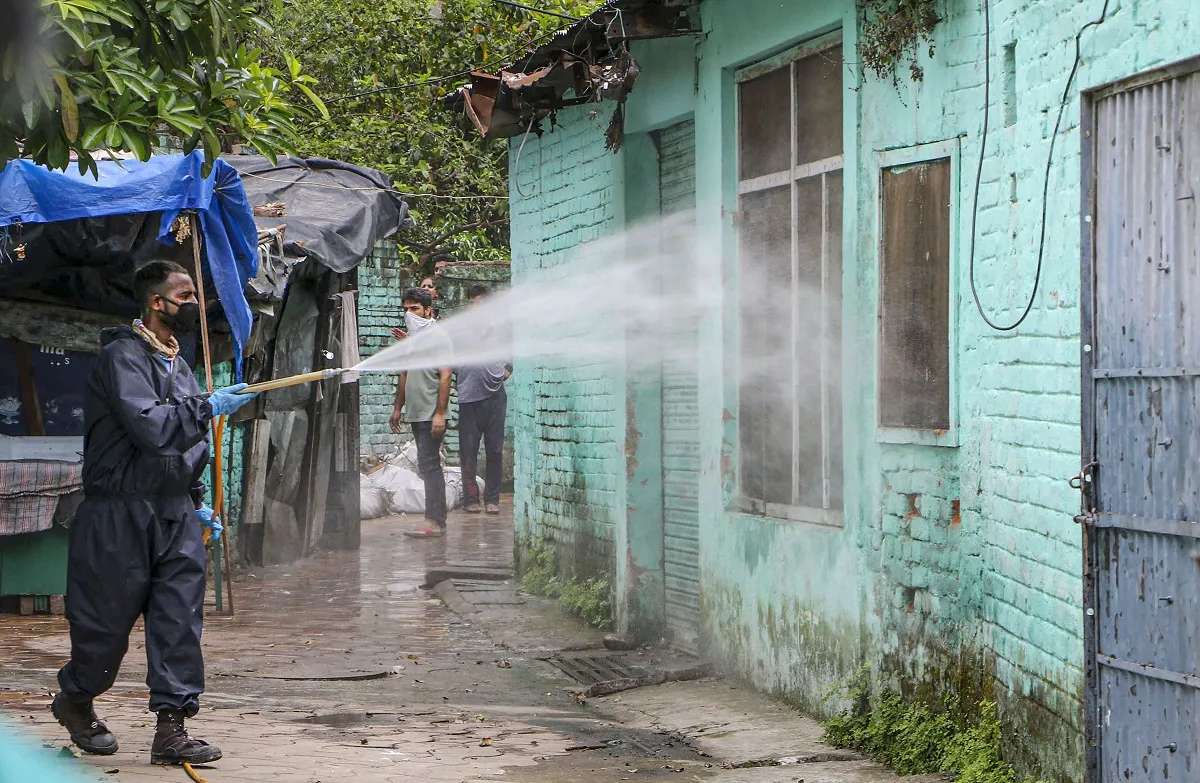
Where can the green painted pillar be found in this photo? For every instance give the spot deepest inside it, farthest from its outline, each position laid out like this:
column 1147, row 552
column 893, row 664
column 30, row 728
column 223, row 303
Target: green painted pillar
column 640, row 607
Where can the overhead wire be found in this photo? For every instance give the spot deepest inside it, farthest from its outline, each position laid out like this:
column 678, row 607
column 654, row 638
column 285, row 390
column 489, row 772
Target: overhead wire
column 401, row 193
column 517, row 163
column 1066, row 97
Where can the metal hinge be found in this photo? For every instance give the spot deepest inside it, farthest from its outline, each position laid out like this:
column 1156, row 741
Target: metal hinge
column 1080, row 482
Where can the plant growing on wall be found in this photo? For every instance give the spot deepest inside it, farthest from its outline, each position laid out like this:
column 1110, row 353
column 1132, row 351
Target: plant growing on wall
column 586, row 598
column 893, row 32
column 916, row 737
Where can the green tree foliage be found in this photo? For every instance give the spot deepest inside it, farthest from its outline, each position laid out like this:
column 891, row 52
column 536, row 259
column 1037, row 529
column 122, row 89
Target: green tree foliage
column 384, row 69
column 118, row 73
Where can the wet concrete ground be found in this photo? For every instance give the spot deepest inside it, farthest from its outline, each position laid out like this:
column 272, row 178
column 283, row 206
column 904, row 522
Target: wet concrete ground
column 342, row 667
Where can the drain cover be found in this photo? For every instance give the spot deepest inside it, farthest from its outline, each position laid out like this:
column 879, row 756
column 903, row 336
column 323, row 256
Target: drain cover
column 593, row 669
column 481, row 593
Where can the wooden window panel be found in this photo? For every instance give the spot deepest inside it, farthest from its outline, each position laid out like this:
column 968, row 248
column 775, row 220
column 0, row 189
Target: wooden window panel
column 914, row 324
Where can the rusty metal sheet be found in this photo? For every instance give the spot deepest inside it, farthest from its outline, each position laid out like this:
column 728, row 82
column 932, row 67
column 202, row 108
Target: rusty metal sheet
column 517, row 81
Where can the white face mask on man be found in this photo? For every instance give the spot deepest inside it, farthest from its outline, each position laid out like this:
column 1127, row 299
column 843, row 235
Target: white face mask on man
column 415, row 323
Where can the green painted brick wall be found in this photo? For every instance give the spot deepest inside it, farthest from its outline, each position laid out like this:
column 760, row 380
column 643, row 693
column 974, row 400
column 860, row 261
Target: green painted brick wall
column 381, row 279
column 958, row 567
column 234, row 456
column 568, row 419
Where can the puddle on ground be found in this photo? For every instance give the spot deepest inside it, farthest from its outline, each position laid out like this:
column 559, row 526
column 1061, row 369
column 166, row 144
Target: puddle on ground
column 347, row 719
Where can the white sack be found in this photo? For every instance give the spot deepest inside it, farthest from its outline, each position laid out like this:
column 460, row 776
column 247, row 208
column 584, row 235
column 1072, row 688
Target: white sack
column 399, row 482
column 372, row 500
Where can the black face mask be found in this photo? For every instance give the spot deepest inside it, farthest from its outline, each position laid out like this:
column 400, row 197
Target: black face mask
column 185, row 319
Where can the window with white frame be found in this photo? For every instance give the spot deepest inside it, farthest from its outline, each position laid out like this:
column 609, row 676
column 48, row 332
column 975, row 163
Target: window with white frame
column 790, row 283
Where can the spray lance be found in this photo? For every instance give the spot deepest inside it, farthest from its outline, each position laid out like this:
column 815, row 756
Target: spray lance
column 283, row 383
column 295, row 380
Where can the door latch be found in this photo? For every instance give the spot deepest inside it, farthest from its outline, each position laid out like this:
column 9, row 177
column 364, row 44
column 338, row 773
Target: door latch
column 1080, row 482
column 1083, row 477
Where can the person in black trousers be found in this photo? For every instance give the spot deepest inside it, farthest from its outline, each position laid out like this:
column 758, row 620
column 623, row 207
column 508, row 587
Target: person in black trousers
column 136, row 546
column 482, row 405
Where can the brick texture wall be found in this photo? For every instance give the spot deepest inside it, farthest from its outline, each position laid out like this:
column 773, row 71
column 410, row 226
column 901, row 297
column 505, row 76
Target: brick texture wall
column 569, row 419
column 981, row 563
column 234, row 462
column 381, row 279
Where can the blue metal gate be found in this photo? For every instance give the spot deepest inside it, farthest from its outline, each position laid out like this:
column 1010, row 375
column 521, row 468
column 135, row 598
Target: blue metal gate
column 1141, row 383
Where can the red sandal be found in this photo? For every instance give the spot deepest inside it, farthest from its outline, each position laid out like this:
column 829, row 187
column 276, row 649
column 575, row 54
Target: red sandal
column 429, row 531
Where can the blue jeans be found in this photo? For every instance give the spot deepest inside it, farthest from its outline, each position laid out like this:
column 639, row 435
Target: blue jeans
column 429, row 462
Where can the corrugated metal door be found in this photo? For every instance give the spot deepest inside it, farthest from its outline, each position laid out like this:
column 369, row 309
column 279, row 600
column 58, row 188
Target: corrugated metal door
column 680, row 420
column 1141, row 386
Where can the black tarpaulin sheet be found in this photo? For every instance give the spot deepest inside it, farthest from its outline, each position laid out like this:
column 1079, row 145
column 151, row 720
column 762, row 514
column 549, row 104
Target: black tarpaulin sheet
column 334, row 212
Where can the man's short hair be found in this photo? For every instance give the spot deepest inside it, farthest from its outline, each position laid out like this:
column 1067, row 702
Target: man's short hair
column 151, row 280
column 419, row 296
column 441, row 257
column 476, row 290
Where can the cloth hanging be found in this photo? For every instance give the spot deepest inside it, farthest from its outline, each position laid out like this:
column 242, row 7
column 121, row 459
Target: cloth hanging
column 348, row 336
column 30, row 491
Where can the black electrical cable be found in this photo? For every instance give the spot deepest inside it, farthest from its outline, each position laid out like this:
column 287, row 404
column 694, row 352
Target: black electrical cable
column 987, row 58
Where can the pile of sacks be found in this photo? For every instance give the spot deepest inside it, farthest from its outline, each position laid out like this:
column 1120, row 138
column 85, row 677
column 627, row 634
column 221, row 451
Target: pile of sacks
column 393, row 485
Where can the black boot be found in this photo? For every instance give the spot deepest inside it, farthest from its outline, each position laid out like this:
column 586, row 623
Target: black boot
column 87, row 731
column 172, row 745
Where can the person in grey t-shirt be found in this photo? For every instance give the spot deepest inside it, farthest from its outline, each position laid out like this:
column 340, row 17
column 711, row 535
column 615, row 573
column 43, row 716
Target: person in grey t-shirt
column 482, row 403
column 423, row 396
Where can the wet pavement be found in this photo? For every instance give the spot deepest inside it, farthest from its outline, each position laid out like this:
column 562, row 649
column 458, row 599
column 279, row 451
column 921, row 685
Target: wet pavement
column 343, row 667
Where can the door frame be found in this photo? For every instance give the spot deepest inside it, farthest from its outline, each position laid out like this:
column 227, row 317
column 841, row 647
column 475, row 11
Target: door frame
column 1089, row 475
column 1087, row 333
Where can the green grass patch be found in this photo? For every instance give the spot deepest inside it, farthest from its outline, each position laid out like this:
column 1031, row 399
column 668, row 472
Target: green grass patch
column 917, row 738
column 587, row 598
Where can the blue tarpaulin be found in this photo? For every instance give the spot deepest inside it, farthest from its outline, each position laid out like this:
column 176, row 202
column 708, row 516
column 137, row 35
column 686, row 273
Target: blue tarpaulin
column 168, row 184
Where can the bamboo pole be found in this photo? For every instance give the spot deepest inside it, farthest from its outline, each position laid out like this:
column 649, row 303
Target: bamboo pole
column 225, row 540
column 218, row 423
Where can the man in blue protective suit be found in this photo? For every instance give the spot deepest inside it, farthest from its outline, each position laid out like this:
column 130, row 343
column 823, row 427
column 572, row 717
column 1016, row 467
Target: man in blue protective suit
column 136, row 546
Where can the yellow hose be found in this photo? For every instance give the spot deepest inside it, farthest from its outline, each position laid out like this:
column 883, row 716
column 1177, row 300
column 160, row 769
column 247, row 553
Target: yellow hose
column 193, row 774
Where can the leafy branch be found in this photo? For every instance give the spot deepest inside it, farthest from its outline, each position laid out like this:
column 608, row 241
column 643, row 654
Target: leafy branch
column 384, row 69
column 116, row 74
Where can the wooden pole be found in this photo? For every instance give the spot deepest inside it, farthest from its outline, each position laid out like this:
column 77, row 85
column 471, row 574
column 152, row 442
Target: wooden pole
column 225, row 542
column 218, row 423
column 31, row 406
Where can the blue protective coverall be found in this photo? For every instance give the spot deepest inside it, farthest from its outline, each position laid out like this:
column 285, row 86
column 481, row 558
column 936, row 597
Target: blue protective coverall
column 135, row 544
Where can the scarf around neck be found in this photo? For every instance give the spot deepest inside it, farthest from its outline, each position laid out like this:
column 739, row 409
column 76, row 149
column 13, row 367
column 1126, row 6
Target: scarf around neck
column 168, row 350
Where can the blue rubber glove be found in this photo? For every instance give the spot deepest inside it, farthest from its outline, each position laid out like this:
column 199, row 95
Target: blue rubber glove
column 226, row 401
column 210, row 520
